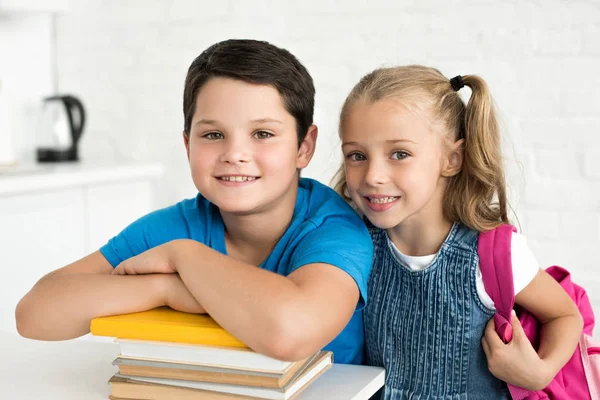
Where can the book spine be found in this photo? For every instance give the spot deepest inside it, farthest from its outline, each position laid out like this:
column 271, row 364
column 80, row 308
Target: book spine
column 151, row 331
column 232, row 379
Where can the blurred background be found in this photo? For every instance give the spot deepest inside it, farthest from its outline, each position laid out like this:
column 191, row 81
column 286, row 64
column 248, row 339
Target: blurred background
column 125, row 62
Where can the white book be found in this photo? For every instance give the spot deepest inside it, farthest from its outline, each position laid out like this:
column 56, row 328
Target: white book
column 211, row 356
column 318, row 366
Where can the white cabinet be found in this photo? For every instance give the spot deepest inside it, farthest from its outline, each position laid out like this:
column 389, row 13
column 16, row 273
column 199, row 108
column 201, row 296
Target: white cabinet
column 52, row 216
column 27, row 32
column 114, row 206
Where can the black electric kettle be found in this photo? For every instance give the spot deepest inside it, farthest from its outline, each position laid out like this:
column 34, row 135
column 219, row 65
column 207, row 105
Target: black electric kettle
column 63, row 119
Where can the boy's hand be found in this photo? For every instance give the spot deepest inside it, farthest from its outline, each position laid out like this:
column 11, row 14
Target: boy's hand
column 516, row 362
column 156, row 260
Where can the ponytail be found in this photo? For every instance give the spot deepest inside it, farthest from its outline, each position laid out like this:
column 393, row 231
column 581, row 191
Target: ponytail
column 477, row 195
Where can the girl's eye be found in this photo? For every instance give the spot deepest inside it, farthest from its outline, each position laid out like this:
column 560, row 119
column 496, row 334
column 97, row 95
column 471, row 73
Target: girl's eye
column 356, row 157
column 399, row 155
column 213, row 135
column 263, row 135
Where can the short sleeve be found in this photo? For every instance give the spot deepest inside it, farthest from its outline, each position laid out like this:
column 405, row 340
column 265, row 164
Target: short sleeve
column 149, row 231
column 525, row 265
column 343, row 244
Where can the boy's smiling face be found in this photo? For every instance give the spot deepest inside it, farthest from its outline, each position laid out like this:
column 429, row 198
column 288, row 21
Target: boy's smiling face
column 243, row 149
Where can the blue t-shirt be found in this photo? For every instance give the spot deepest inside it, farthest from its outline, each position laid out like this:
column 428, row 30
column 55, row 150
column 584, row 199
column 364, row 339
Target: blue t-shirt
column 324, row 229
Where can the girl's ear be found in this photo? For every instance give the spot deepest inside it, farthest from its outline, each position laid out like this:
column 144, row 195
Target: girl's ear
column 307, row 147
column 454, row 161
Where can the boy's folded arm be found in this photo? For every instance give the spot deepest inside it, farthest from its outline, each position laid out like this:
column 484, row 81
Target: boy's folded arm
column 62, row 303
column 283, row 317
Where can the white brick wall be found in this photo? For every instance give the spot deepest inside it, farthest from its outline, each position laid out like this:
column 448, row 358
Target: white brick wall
column 127, row 61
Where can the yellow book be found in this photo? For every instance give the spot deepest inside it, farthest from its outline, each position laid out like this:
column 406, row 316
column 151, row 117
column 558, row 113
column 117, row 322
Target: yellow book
column 166, row 325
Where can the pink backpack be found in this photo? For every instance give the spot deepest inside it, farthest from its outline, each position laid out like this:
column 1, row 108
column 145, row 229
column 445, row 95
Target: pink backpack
column 580, row 377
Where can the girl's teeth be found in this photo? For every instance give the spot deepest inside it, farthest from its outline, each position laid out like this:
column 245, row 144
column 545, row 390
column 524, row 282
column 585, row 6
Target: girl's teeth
column 238, row 178
column 382, row 200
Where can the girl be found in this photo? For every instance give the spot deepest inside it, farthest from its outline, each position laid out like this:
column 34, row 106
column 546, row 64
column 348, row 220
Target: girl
column 426, row 171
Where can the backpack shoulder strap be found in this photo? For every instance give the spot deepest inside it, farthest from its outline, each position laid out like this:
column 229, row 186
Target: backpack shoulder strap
column 495, row 262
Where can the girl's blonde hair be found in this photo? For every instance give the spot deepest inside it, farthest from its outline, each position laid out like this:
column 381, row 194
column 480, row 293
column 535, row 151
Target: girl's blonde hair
column 476, row 196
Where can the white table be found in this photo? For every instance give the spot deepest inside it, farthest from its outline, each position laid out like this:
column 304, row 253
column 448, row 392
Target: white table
column 80, row 369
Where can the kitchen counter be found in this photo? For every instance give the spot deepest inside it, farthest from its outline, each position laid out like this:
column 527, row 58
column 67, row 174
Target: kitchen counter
column 42, row 177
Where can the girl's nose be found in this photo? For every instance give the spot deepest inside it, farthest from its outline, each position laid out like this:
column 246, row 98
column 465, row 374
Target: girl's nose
column 376, row 174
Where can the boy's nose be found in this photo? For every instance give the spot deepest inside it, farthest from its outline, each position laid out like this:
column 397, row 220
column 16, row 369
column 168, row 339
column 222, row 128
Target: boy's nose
column 235, row 153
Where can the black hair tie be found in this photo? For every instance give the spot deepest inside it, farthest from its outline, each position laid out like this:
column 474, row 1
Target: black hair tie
column 457, row 83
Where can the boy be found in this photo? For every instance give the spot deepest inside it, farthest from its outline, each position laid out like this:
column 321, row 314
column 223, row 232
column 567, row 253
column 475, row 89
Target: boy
column 248, row 109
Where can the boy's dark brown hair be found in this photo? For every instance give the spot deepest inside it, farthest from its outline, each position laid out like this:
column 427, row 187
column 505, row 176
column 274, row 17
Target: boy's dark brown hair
column 257, row 62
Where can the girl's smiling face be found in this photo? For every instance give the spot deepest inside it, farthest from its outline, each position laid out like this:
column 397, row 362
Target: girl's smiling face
column 393, row 161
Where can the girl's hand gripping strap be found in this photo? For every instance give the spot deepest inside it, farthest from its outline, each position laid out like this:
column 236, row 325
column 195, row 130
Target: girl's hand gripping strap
column 495, row 263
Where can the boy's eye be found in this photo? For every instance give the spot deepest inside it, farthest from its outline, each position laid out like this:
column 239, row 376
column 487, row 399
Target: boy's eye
column 399, row 155
column 213, row 135
column 262, row 135
column 356, row 157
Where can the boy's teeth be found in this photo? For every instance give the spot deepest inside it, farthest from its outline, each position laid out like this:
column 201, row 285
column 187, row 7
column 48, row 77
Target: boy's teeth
column 238, row 178
column 381, row 200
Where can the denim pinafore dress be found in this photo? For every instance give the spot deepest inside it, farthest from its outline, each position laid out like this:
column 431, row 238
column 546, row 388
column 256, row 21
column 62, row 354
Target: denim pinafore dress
column 425, row 327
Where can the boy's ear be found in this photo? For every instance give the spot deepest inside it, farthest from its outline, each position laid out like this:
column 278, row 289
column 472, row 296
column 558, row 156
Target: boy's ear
column 307, row 147
column 454, row 161
column 186, row 142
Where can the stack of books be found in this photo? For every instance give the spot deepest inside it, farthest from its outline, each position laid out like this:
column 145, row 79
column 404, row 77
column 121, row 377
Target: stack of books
column 167, row 354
